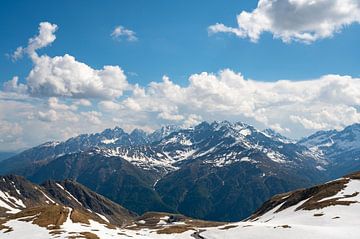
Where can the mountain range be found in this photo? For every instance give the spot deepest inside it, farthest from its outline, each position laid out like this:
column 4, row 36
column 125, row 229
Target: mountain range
column 67, row 209
column 214, row 171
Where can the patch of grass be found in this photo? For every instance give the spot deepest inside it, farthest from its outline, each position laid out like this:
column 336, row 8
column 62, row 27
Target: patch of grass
column 200, row 223
column 175, row 229
column 78, row 217
column 44, row 216
column 89, row 235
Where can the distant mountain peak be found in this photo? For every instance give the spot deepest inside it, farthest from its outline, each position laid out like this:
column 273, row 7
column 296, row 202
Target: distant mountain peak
column 275, row 135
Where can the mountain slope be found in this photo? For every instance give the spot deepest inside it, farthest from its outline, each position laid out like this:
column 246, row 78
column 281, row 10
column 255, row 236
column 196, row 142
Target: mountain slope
column 328, row 210
column 69, row 210
column 75, row 195
column 18, row 194
column 325, row 211
column 227, row 193
column 6, row 155
column 340, row 149
column 218, row 171
column 110, row 176
column 231, row 170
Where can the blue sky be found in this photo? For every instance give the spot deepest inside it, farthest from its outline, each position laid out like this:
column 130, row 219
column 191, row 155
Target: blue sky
column 173, row 40
column 290, row 65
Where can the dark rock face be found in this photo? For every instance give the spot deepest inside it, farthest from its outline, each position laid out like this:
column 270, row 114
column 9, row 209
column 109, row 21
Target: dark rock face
column 82, row 197
column 21, row 194
column 19, row 187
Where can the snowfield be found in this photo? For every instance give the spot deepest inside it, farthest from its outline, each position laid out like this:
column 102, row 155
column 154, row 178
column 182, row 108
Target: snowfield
column 313, row 214
column 336, row 222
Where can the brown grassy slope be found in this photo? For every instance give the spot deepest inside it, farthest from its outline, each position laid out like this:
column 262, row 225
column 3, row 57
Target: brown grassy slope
column 314, row 197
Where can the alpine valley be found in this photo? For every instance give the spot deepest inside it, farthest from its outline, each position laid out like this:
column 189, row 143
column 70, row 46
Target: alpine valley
column 217, row 171
column 66, row 209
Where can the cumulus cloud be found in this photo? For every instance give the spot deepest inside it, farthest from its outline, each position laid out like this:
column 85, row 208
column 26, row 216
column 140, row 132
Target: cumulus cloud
column 108, row 105
column 121, row 32
column 13, row 86
column 192, row 120
column 286, row 106
column 64, row 76
column 93, row 117
column 9, row 131
column 45, row 37
column 295, row 108
column 294, row 20
column 18, row 53
column 41, row 120
column 55, row 104
column 83, row 102
column 63, row 97
column 49, row 116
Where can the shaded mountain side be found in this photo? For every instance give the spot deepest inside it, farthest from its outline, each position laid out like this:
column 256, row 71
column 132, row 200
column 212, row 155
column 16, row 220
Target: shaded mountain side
column 198, row 189
column 18, row 194
column 340, row 149
column 6, row 155
column 28, row 161
column 227, row 193
column 113, row 177
column 14, row 187
column 82, row 197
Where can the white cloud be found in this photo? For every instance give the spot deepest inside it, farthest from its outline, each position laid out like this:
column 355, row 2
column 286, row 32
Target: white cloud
column 54, row 103
column 295, row 108
column 93, row 117
column 294, row 20
column 83, row 102
column 192, row 120
column 13, row 86
column 45, row 37
column 107, row 105
column 170, row 116
column 121, row 32
column 18, row 53
column 49, row 116
column 9, row 131
column 283, row 105
column 73, row 98
column 64, row 76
